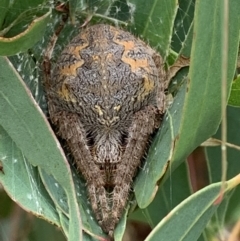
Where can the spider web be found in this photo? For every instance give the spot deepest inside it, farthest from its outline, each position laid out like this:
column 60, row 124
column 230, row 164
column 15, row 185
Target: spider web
column 35, row 181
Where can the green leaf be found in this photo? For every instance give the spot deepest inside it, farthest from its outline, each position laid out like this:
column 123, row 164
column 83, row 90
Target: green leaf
column 233, row 211
column 31, row 132
column 229, row 211
column 113, row 12
column 196, row 111
column 22, row 182
column 26, row 39
column 189, row 218
column 182, row 32
column 214, row 153
column 120, row 10
column 171, row 193
column 72, row 9
column 3, row 11
column 20, row 13
column 201, row 117
column 59, row 198
column 42, row 230
column 154, row 167
column 153, row 21
column 56, row 192
column 234, row 98
column 121, row 226
column 89, row 222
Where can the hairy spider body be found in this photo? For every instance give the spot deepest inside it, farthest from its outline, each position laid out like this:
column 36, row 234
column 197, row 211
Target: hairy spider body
column 106, row 97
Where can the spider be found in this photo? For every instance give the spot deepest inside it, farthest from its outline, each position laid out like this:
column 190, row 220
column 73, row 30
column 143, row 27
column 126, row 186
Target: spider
column 106, row 97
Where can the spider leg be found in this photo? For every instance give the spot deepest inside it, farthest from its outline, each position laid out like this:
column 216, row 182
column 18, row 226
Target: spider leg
column 180, row 63
column 165, row 77
column 162, row 85
column 144, row 123
column 46, row 63
column 71, row 129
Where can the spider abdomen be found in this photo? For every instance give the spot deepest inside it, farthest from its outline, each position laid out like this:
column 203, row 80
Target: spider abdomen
column 105, row 75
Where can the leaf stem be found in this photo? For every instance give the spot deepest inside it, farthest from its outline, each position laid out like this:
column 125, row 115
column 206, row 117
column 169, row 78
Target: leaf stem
column 224, row 91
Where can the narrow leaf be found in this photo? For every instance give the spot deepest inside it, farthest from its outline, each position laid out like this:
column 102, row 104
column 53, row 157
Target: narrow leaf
column 31, row 132
column 153, row 21
column 196, row 111
column 234, row 99
column 189, row 218
column 22, row 182
column 26, row 39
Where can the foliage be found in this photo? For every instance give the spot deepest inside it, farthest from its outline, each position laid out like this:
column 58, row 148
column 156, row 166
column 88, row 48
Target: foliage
column 36, row 173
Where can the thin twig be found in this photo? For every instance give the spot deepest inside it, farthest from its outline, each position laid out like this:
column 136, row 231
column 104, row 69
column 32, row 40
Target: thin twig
column 224, row 91
column 217, row 142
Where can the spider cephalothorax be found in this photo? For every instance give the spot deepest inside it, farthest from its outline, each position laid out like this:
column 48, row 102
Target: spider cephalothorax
column 106, row 96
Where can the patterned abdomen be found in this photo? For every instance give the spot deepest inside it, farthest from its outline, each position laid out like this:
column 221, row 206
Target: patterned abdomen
column 105, row 75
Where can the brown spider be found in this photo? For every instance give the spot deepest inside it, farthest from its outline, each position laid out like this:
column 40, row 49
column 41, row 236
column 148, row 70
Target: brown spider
column 106, row 96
